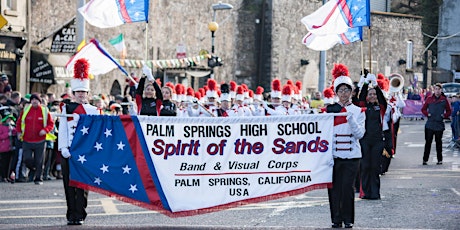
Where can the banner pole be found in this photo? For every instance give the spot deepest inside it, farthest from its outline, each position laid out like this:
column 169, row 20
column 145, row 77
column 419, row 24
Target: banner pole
column 146, row 42
column 370, row 51
column 362, row 58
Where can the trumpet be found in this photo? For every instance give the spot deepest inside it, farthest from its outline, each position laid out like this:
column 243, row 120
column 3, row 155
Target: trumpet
column 396, row 83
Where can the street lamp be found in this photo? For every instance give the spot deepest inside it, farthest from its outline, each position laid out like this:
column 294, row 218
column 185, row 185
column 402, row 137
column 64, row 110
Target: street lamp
column 213, row 27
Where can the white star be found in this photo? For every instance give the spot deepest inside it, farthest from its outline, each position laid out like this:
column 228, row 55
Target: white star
column 132, row 1
column 121, row 146
column 108, row 132
column 98, row 146
column 126, row 169
column 97, row 180
column 81, row 158
column 359, row 19
column 84, row 130
column 105, row 168
column 137, row 15
column 133, row 188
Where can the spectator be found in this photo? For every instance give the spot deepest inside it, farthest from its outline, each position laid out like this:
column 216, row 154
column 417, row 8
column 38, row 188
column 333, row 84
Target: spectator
column 32, row 126
column 436, row 108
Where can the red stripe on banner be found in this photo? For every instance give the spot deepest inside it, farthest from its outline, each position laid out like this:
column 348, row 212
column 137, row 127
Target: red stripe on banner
column 344, row 39
column 251, row 201
column 327, row 18
column 123, row 11
column 141, row 162
column 346, row 12
column 242, row 173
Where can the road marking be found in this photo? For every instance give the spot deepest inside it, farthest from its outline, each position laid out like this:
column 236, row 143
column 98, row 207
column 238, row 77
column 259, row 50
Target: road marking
column 455, row 191
column 108, row 206
column 415, row 145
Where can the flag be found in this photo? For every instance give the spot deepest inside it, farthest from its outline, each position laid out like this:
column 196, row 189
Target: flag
column 119, row 44
column 111, row 13
column 336, row 16
column 325, row 42
column 99, row 59
column 157, row 162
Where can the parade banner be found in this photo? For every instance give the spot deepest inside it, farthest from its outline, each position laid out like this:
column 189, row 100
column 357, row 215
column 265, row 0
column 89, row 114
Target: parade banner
column 188, row 166
column 413, row 109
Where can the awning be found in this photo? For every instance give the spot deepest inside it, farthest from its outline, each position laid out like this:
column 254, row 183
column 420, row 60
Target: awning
column 46, row 68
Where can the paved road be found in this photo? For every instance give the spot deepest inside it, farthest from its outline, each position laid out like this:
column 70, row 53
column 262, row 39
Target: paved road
column 413, row 197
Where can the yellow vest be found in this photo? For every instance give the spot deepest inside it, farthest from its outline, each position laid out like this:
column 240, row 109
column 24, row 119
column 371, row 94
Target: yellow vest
column 49, row 136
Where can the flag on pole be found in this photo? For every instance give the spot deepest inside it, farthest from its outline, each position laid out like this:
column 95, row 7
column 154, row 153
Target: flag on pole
column 336, row 16
column 100, row 60
column 325, row 42
column 119, row 44
column 111, row 13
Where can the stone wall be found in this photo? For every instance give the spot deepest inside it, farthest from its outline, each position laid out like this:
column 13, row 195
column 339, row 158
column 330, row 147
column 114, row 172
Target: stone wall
column 257, row 40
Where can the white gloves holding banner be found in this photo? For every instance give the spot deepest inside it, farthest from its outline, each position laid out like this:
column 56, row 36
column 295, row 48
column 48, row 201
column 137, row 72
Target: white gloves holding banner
column 65, row 153
column 351, row 120
column 148, row 72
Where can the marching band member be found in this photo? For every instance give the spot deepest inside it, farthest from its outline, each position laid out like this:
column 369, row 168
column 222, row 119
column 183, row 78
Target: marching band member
column 239, row 107
column 373, row 141
column 168, row 107
column 233, row 86
column 275, row 99
column 328, row 96
column 286, row 107
column 346, row 150
column 148, row 96
column 225, row 109
column 259, row 109
column 173, row 92
column 76, row 198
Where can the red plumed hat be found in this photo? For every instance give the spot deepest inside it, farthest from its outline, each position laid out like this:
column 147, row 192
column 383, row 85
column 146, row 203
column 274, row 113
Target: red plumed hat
column 287, row 93
column 198, row 95
column 328, row 93
column 80, row 81
column 380, row 76
column 190, row 94
column 239, row 93
column 171, row 85
column 233, row 86
column 258, row 95
column 276, row 88
column 339, row 70
column 212, row 89
column 190, row 91
column 340, row 76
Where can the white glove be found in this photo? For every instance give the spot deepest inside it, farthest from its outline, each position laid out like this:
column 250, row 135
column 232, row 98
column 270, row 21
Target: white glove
column 372, row 79
column 351, row 120
column 361, row 82
column 148, row 72
column 65, row 153
column 265, row 105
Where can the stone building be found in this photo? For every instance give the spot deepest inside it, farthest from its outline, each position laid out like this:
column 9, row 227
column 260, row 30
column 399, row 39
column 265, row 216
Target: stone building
column 257, row 40
column 449, row 42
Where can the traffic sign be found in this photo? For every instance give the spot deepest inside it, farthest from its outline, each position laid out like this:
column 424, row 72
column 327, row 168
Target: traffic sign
column 3, row 21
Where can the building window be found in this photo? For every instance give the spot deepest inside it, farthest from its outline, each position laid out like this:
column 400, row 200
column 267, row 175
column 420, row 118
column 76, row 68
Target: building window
column 410, row 47
column 11, row 5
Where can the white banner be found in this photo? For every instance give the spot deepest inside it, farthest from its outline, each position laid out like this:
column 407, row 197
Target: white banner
column 204, row 163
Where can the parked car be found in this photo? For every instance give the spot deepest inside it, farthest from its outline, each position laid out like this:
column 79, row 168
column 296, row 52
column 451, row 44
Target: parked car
column 451, row 89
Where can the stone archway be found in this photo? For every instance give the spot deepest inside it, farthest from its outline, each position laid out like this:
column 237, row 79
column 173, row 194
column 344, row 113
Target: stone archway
column 116, row 88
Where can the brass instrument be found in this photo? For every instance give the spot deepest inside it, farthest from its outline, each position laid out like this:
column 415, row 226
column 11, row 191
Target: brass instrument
column 396, row 83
